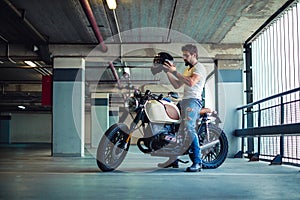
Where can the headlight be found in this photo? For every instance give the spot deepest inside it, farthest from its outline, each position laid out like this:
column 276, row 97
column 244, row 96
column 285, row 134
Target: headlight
column 131, row 103
column 137, row 93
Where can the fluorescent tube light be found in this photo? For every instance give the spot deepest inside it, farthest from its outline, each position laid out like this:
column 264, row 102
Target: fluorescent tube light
column 21, row 107
column 112, row 4
column 30, row 63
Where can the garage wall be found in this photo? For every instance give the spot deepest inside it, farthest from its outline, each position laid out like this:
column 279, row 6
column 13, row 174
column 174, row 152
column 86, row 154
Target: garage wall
column 36, row 128
column 29, row 127
column 230, row 97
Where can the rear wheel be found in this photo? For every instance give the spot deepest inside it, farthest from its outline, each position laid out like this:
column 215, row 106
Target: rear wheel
column 113, row 148
column 216, row 154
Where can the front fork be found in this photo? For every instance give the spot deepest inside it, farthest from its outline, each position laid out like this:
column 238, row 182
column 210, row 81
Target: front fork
column 127, row 137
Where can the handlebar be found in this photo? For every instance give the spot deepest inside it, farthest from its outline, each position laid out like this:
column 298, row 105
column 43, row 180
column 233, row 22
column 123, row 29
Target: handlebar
column 161, row 96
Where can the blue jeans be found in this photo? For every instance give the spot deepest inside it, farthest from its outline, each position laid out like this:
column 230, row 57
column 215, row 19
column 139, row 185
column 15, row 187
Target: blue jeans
column 190, row 112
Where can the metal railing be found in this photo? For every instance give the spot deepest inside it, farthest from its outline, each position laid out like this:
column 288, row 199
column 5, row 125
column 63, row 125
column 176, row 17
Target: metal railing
column 274, row 123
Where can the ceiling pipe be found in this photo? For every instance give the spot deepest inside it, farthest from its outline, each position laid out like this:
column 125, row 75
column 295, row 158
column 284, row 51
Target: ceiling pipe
column 113, row 69
column 29, row 25
column 88, row 11
column 118, row 27
column 7, row 50
column 171, row 20
column 36, row 36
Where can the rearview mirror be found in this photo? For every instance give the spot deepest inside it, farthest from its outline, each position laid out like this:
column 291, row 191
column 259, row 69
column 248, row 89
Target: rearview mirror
column 174, row 95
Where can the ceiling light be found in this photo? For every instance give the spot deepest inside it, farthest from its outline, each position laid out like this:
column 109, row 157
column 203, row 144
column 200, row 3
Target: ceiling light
column 111, row 4
column 21, row 107
column 30, row 63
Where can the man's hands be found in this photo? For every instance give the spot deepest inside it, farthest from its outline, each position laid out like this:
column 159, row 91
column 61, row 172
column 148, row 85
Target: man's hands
column 169, row 67
column 177, row 79
column 172, row 74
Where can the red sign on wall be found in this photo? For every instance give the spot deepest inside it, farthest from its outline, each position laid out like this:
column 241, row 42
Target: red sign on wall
column 47, row 90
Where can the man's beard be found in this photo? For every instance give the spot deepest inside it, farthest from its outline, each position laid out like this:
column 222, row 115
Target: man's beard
column 187, row 63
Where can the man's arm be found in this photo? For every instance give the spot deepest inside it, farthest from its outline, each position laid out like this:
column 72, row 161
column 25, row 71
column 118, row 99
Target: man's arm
column 188, row 80
column 174, row 80
column 177, row 79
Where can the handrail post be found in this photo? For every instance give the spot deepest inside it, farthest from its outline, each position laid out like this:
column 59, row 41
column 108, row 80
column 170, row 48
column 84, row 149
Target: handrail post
column 243, row 127
column 259, row 125
column 278, row 158
column 250, row 140
column 281, row 122
column 249, row 94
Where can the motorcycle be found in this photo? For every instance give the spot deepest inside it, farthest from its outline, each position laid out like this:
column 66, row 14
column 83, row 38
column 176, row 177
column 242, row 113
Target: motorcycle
column 163, row 136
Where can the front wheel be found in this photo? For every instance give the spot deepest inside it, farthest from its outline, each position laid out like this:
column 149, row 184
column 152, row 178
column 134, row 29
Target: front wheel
column 112, row 147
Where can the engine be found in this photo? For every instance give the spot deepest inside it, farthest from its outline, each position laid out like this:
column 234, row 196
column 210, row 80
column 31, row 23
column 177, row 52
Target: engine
column 162, row 135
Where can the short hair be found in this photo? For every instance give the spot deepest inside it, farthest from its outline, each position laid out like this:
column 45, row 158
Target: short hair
column 190, row 48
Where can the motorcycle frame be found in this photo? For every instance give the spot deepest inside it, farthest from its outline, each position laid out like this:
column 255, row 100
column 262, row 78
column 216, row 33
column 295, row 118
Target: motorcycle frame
column 203, row 122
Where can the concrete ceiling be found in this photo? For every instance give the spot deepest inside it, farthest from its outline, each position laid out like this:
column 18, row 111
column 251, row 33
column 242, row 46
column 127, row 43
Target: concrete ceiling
column 40, row 30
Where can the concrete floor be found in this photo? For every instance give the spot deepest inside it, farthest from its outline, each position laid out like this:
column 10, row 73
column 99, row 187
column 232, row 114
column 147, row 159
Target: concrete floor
column 29, row 172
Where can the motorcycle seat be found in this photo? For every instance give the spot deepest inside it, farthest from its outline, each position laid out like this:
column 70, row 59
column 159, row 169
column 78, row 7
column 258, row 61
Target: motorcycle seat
column 204, row 111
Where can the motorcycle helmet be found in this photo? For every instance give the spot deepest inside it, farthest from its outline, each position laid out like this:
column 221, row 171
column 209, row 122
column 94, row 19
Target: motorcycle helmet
column 159, row 60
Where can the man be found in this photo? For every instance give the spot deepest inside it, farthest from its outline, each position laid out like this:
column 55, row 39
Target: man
column 193, row 80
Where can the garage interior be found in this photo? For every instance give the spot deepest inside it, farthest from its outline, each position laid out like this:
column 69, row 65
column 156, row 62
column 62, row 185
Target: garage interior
column 58, row 57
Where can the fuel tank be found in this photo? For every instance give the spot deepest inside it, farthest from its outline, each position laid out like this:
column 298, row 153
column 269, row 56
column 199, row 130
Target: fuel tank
column 162, row 112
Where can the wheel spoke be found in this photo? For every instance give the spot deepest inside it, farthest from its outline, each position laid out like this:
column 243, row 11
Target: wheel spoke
column 213, row 152
column 109, row 153
column 112, row 151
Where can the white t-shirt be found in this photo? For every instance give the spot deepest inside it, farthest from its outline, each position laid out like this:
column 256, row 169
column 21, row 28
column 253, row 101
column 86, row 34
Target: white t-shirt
column 196, row 90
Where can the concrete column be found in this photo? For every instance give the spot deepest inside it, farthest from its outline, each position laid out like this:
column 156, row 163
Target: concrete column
column 5, row 128
column 99, row 116
column 68, row 107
